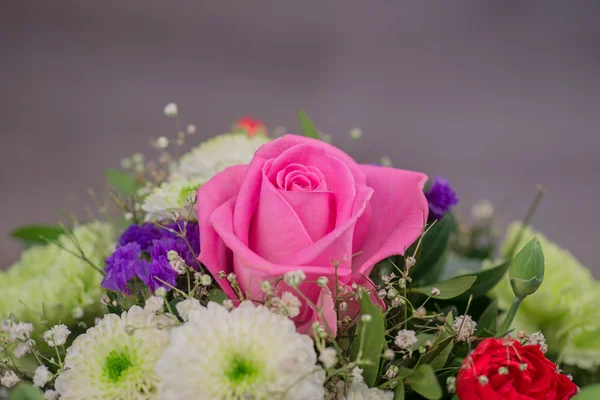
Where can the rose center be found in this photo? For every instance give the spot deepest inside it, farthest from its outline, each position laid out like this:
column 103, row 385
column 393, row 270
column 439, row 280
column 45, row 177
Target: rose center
column 298, row 177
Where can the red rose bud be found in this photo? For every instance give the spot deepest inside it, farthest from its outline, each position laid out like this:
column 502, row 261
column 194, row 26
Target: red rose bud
column 250, row 126
column 503, row 369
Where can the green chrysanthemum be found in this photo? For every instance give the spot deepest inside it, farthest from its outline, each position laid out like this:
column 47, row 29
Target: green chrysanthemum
column 115, row 359
column 564, row 305
column 48, row 283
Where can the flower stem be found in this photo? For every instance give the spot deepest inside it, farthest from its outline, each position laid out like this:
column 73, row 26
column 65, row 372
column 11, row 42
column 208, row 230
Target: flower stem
column 510, row 315
column 541, row 191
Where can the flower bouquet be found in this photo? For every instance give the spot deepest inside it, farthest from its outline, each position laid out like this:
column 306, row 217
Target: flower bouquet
column 261, row 266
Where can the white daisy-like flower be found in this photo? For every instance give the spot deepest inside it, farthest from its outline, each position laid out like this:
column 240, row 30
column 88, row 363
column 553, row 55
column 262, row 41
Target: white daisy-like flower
column 41, row 376
column 170, row 198
column 405, row 338
column 464, row 327
column 249, row 352
column 115, row 359
column 218, row 153
column 57, row 335
column 9, row 379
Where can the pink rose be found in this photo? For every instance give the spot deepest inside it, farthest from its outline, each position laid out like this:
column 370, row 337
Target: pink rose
column 300, row 204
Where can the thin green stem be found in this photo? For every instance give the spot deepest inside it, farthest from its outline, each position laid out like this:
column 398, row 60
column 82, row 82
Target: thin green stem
column 541, row 191
column 510, row 315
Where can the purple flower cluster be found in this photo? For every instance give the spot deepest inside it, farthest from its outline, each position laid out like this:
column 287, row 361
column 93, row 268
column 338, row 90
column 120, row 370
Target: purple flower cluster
column 441, row 198
column 142, row 252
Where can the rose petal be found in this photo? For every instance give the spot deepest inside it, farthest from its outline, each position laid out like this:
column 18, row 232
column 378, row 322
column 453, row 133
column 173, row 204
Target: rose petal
column 326, row 305
column 250, row 268
column 278, row 146
column 214, row 254
column 248, row 197
column 336, row 173
column 336, row 245
column 398, row 214
column 276, row 230
column 316, row 211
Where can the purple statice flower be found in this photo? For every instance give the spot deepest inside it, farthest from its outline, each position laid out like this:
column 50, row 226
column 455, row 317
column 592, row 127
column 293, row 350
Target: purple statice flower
column 192, row 234
column 441, row 198
column 142, row 253
column 121, row 267
column 141, row 234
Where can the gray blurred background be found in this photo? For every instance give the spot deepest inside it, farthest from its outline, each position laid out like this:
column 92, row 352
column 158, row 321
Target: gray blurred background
column 494, row 95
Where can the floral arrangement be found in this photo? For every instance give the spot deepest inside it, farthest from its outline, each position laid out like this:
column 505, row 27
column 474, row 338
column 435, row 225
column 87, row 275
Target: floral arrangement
column 267, row 266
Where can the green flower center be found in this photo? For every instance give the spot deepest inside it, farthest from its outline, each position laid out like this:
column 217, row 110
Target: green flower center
column 116, row 364
column 242, row 371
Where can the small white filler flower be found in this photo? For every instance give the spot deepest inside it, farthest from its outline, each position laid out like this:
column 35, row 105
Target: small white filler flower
column 249, row 352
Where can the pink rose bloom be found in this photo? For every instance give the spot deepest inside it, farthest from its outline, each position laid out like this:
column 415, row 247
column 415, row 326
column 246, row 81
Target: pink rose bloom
column 300, row 204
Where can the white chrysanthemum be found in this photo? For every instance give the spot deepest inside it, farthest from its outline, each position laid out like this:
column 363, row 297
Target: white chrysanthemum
column 359, row 391
column 464, row 327
column 218, row 153
column 171, row 197
column 115, row 359
column 249, row 352
column 405, row 338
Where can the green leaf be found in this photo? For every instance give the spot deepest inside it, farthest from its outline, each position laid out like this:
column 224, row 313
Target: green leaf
column 486, row 326
column 404, row 372
column 422, row 338
column 217, row 295
column 486, row 280
column 308, row 128
column 399, row 391
column 173, row 305
column 448, row 289
column 26, row 391
column 457, row 265
column 122, row 182
column 433, row 247
column 424, row 382
column 373, row 341
column 438, row 355
column 31, row 235
column 591, row 392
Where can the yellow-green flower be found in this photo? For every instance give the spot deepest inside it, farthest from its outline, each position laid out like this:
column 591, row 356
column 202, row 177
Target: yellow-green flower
column 50, row 285
column 563, row 308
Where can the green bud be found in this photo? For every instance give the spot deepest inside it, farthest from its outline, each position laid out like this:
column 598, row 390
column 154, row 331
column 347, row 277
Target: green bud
column 527, row 270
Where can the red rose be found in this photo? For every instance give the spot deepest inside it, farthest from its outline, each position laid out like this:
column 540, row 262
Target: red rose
column 502, row 369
